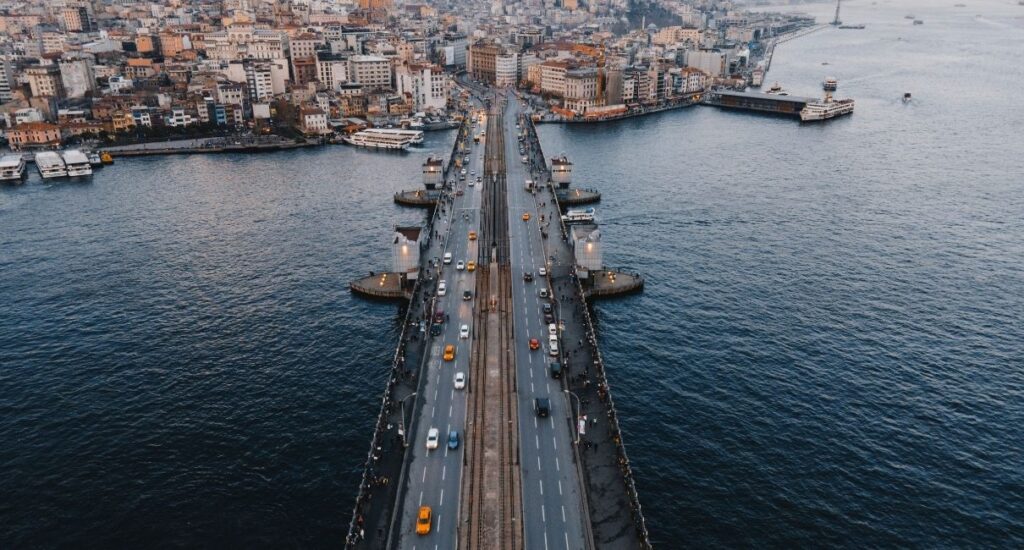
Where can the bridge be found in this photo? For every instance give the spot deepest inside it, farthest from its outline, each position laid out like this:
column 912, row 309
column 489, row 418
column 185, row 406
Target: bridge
column 500, row 369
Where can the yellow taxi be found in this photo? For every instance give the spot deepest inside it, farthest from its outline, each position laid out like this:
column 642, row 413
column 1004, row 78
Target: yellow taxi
column 449, row 352
column 423, row 521
column 471, row 265
column 526, row 216
column 472, row 235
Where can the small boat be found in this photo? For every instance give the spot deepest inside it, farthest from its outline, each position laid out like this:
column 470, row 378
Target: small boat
column 94, row 159
column 12, row 167
column 106, row 158
column 774, row 89
column 830, row 84
column 909, row 17
column 906, row 97
column 918, row 22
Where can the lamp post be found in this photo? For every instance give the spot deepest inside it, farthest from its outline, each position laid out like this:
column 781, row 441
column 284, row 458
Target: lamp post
column 401, row 420
column 575, row 419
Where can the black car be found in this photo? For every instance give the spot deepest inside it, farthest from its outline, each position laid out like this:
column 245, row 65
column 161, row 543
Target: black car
column 541, row 406
column 528, row 276
column 549, row 318
column 467, row 295
column 435, row 330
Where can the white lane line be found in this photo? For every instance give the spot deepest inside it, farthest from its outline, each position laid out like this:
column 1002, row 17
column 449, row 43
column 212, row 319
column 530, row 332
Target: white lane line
column 449, row 411
column 538, row 464
column 531, row 387
column 444, row 473
column 421, row 499
column 557, row 467
column 534, row 421
column 435, row 393
column 424, row 478
column 555, row 442
column 439, row 505
column 541, row 482
column 566, row 538
column 543, row 516
column 536, row 441
column 563, row 513
column 453, row 395
column 432, row 411
column 545, row 540
column 559, row 486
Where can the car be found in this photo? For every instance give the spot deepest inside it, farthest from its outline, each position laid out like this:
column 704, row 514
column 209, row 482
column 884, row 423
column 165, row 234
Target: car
column 526, row 216
column 469, row 183
column 460, row 380
column 472, row 235
column 459, row 193
column 464, row 332
column 432, row 435
column 423, row 521
column 542, row 271
column 553, row 344
column 525, row 160
column 463, row 172
column 541, row 406
column 528, row 276
column 543, row 293
column 471, row 265
column 453, row 439
column 439, row 316
column 534, row 343
column 549, row 318
column 467, row 295
column 442, row 288
column 449, row 352
column 552, row 329
column 546, row 308
column 435, row 330
column 555, row 369
column 460, row 265
column 447, row 257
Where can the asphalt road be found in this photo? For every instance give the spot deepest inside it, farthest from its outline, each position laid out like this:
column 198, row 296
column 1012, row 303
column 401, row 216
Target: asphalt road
column 434, row 476
column 552, row 500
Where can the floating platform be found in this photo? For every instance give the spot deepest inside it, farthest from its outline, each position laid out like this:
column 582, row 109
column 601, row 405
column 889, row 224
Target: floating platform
column 386, row 285
column 786, row 105
column 419, row 197
column 576, row 197
column 612, row 282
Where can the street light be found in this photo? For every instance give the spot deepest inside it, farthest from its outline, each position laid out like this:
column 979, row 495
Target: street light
column 401, row 419
column 576, row 420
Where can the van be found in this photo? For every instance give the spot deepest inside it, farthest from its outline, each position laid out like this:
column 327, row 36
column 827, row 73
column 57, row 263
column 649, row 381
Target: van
column 447, row 257
column 541, row 406
column 555, row 369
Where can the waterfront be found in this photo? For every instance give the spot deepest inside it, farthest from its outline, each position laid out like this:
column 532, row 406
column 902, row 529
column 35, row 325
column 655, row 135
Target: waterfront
column 827, row 350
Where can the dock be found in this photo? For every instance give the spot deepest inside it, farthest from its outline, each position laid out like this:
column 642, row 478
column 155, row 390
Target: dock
column 538, row 456
column 784, row 105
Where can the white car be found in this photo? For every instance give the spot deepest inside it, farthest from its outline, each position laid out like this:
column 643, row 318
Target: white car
column 552, row 330
column 553, row 346
column 460, row 380
column 472, row 172
column 447, row 257
column 464, row 332
column 470, row 183
column 432, row 436
column 542, row 271
column 461, row 265
column 463, row 172
column 442, row 288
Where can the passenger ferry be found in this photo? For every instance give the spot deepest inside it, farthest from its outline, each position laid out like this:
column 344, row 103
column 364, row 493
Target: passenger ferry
column 384, row 138
column 826, row 109
column 579, row 216
column 50, row 165
column 12, row 167
column 77, row 163
column 830, row 84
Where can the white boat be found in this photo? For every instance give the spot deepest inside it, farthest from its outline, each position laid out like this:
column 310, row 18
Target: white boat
column 12, row 167
column 384, row 138
column 830, row 84
column 826, row 109
column 579, row 216
column 77, row 163
column 50, row 165
column 94, row 159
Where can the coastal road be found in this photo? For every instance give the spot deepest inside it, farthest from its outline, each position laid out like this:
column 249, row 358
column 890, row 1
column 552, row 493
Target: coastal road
column 433, row 477
column 552, row 499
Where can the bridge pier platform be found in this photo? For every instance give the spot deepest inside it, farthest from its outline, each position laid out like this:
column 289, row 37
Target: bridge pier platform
column 386, row 285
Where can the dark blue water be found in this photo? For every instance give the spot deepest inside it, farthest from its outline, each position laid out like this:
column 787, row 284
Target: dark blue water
column 829, row 349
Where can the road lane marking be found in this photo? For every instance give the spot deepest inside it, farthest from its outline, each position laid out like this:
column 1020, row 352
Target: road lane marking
column 566, row 538
column 541, row 482
column 538, row 463
column 559, row 486
column 556, row 465
column 536, row 441
column 444, row 473
column 432, row 407
column 543, row 517
column 553, row 439
column 563, row 514
column 424, row 475
column 449, row 411
column 442, row 504
column 421, row 498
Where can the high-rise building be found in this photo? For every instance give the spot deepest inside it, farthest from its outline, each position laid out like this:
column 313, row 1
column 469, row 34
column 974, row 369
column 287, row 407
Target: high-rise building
column 6, row 79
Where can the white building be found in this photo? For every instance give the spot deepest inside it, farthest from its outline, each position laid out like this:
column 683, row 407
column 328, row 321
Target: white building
column 711, row 62
column 426, row 84
column 332, row 70
column 119, row 84
column 586, row 246
column 506, row 69
column 370, row 71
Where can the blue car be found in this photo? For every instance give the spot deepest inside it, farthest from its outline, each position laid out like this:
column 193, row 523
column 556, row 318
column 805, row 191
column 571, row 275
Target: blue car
column 453, row 440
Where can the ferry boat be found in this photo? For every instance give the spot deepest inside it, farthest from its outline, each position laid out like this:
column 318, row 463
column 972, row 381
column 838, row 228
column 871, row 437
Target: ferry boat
column 384, row 138
column 579, row 216
column 830, row 84
column 826, row 109
column 77, row 163
column 50, row 165
column 12, row 167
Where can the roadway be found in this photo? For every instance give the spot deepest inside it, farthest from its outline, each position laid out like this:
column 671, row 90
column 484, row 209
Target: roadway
column 434, row 476
column 552, row 500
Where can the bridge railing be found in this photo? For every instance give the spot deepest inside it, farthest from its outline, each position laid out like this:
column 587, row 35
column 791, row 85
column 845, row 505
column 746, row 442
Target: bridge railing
column 604, row 390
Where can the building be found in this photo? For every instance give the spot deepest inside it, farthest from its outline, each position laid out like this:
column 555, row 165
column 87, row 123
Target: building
column 405, row 251
column 7, row 80
column 77, row 76
column 180, row 117
column 45, row 81
column 78, row 18
column 580, row 89
column 483, row 60
column 303, row 58
column 552, row 77
column 313, row 121
column 506, row 70
column 586, row 247
column 370, row 71
column 33, row 134
column 710, row 62
column 426, row 84
column 332, row 69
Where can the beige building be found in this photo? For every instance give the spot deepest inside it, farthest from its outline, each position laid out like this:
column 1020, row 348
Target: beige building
column 45, row 81
column 370, row 71
column 34, row 134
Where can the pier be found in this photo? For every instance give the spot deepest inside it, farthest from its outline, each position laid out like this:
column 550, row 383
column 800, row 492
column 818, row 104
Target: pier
column 785, row 105
column 504, row 362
